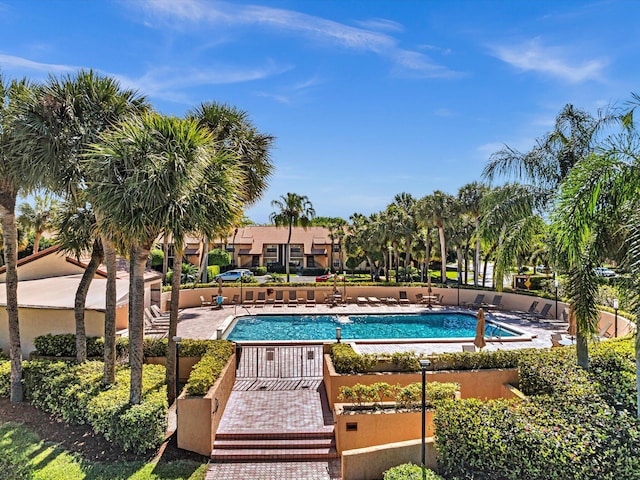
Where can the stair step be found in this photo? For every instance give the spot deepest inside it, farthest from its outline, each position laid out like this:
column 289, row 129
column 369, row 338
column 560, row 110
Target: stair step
column 287, row 444
column 325, row 433
column 273, row 454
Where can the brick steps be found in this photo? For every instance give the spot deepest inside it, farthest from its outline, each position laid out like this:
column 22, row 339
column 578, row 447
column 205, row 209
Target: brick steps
column 284, row 446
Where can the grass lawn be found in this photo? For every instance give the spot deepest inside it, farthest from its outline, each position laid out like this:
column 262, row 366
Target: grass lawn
column 24, row 456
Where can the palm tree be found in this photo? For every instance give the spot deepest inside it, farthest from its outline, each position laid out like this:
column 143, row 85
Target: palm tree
column 235, row 134
column 57, row 124
column 148, row 165
column 367, row 238
column 15, row 176
column 405, row 206
column 75, row 229
column 435, row 209
column 292, row 210
column 37, row 217
column 470, row 201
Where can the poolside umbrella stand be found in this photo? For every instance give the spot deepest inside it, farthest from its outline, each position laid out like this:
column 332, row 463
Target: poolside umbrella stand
column 479, row 341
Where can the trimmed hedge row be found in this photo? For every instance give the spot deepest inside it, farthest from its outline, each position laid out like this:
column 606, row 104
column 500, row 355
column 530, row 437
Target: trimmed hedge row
column 346, row 360
column 407, row 397
column 208, row 369
column 409, row 471
column 64, row 345
column 75, row 393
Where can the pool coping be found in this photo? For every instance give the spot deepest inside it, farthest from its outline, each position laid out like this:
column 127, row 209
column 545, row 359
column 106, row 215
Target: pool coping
column 227, row 326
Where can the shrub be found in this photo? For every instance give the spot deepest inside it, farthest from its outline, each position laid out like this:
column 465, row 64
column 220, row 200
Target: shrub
column 64, row 345
column 208, row 369
column 407, row 397
column 5, row 378
column 157, row 259
column 212, row 271
column 345, row 360
column 409, row 471
column 219, row 258
column 261, row 271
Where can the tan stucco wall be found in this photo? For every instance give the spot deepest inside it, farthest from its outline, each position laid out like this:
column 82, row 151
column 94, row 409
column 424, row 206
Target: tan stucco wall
column 199, row 417
column 483, row 384
column 378, row 428
column 52, row 265
column 371, row 462
column 36, row 321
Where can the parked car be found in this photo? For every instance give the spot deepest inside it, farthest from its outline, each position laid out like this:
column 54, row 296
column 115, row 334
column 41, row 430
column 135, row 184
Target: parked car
column 328, row 277
column 543, row 269
column 233, row 275
column 604, row 272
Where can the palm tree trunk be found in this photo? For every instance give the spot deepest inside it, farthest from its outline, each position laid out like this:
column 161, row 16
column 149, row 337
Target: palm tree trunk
column 637, row 345
column 476, row 260
column 286, row 253
column 36, row 241
column 10, row 238
column 459, row 257
column 443, row 254
column 171, row 373
column 582, row 350
column 204, row 260
column 81, row 298
column 139, row 257
column 109, row 374
column 165, row 257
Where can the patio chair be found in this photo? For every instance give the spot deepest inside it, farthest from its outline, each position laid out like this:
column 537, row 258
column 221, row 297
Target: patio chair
column 236, row 299
column 555, row 340
column 248, row 298
column 496, row 303
column 403, row 299
column 279, row 300
column 311, row 298
column 477, row 303
column 293, row 298
column 544, row 313
column 362, row 300
column 390, row 300
column 532, row 307
column 261, row 300
column 420, row 298
column 374, row 300
column 157, row 313
column 154, row 320
column 204, row 303
column 468, row 348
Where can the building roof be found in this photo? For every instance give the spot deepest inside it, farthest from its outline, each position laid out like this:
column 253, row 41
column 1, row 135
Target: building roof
column 59, row 293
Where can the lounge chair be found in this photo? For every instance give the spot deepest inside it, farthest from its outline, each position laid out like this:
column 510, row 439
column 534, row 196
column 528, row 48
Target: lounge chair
column 420, row 298
column 362, row 300
column 544, row 313
column 403, row 299
column 157, row 313
column 311, row 298
column 496, row 303
column 390, row 300
column 293, row 298
column 468, row 348
column 279, row 300
column 374, row 300
column 236, row 299
column 261, row 300
column 248, row 298
column 477, row 303
column 532, row 307
column 555, row 340
column 155, row 320
column 204, row 303
column 604, row 331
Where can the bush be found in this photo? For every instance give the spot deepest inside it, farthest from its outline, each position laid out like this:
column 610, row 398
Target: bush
column 74, row 392
column 407, row 397
column 212, row 271
column 345, row 360
column 157, row 259
column 64, row 345
column 208, row 369
column 409, row 471
column 219, row 258
column 261, row 271
column 5, row 378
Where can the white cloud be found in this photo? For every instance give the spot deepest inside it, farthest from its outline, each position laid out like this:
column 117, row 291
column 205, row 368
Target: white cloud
column 381, row 24
column 554, row 61
column 323, row 30
column 11, row 62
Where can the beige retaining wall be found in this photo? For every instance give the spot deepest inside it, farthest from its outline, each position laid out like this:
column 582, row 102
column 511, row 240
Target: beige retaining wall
column 482, row 384
column 198, row 417
column 371, row 462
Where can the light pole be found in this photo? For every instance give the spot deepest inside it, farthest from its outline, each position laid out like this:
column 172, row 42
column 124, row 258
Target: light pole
column 615, row 308
column 555, row 284
column 390, row 264
column 344, row 288
column 338, row 334
column 424, row 363
column 177, row 341
column 459, row 279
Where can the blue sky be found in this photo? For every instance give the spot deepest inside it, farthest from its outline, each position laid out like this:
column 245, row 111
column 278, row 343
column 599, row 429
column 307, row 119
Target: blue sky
column 366, row 98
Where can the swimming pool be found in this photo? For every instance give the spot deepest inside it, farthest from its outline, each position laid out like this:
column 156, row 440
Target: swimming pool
column 446, row 325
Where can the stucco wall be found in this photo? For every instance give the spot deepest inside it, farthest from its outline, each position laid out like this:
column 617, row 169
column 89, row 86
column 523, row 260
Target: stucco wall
column 52, row 265
column 371, row 462
column 199, row 417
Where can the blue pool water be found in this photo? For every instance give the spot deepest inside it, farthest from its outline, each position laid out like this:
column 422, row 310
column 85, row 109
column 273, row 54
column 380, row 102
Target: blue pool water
column 323, row 327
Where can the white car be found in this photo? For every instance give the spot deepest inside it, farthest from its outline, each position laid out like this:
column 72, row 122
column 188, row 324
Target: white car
column 233, row 275
column 604, row 272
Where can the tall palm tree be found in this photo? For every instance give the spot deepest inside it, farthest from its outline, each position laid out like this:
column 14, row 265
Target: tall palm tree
column 435, row 209
column 57, row 124
column 292, row 210
column 405, row 206
column 470, row 201
column 38, row 217
column 366, row 238
column 15, row 176
column 147, row 165
column 243, row 144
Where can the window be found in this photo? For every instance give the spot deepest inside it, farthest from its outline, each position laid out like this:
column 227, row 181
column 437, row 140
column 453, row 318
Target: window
column 336, row 263
column 311, row 262
column 230, row 248
column 271, row 251
column 296, row 250
column 336, row 247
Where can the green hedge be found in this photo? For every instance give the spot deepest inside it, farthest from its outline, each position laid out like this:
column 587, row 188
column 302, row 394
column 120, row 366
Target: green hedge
column 407, row 397
column 64, row 345
column 208, row 369
column 408, row 471
column 74, row 392
column 345, row 360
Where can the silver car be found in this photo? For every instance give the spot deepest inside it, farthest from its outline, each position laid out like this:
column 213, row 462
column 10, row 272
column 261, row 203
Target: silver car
column 233, row 275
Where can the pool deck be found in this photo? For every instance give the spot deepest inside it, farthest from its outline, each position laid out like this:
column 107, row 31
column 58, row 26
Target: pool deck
column 202, row 323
